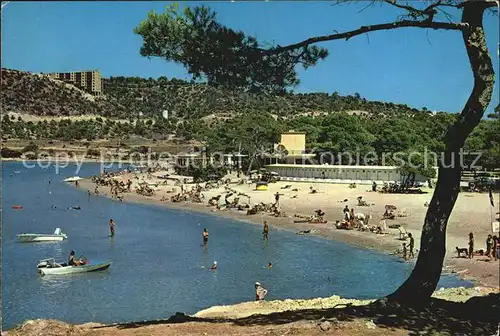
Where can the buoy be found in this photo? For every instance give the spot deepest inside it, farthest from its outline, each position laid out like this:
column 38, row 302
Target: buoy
column 17, row 207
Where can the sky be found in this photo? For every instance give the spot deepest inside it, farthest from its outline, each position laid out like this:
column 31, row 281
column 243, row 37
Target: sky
column 413, row 66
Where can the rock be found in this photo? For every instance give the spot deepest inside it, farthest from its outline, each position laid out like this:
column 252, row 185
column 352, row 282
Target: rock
column 179, row 317
column 325, row 325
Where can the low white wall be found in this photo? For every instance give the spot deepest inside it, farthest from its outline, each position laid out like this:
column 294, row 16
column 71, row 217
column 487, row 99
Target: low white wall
column 349, row 175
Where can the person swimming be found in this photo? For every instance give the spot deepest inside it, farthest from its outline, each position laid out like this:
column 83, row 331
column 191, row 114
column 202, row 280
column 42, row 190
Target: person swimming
column 270, row 265
column 214, row 266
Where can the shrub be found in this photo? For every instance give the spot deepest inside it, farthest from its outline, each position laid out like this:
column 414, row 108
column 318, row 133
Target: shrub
column 10, row 153
column 91, row 152
column 31, row 147
column 201, row 174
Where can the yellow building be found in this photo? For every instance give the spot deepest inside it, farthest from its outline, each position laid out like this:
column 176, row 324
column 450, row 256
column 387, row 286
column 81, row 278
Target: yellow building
column 90, row 81
column 295, row 145
column 294, row 142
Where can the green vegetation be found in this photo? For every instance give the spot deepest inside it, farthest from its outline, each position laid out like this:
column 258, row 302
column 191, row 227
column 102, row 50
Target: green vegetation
column 200, row 174
column 10, row 153
column 257, row 131
column 40, row 95
column 193, row 36
column 232, row 120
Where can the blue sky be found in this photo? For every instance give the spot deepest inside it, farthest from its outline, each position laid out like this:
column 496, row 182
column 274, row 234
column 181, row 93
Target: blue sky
column 413, row 66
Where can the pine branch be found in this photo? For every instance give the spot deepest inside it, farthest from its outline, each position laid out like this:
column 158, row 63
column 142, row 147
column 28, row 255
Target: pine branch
column 364, row 30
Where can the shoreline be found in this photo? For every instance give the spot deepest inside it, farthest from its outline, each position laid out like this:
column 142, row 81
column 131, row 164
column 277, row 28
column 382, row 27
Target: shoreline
column 234, row 312
column 75, row 159
column 280, row 223
column 383, row 244
column 386, row 244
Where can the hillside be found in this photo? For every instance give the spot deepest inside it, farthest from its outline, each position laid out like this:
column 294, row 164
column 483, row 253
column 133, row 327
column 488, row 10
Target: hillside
column 35, row 94
column 131, row 110
column 130, row 97
column 195, row 100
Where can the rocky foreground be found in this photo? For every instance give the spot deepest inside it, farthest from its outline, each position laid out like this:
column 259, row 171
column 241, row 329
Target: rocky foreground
column 455, row 311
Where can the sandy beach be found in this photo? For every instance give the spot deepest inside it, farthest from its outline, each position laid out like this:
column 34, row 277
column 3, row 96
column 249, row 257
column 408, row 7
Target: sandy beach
column 472, row 213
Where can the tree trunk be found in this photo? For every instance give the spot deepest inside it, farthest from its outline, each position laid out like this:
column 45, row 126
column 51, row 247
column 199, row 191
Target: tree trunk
column 418, row 288
column 250, row 164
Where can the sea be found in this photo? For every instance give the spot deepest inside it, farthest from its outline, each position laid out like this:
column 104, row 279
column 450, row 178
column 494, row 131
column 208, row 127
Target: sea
column 159, row 266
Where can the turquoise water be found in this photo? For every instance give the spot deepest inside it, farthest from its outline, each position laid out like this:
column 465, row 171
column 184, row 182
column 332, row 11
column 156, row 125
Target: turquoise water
column 158, row 258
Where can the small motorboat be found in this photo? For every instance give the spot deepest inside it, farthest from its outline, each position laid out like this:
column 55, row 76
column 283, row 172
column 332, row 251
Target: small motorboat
column 73, row 179
column 51, row 267
column 17, row 207
column 58, row 235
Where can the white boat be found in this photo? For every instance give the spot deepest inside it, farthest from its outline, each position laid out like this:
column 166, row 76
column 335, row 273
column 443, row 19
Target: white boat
column 51, row 267
column 73, row 179
column 58, row 235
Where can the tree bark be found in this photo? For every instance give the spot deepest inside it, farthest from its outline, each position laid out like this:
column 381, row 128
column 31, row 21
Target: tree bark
column 418, row 288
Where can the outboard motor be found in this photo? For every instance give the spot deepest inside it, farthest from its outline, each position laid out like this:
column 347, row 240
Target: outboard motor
column 57, row 231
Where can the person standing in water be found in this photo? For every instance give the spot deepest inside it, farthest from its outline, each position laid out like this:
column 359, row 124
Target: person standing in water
column 260, row 292
column 205, row 237
column 112, row 227
column 471, row 245
column 411, row 246
column 265, row 232
column 405, row 252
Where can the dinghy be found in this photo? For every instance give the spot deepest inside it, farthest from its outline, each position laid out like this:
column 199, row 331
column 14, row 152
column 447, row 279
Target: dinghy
column 58, row 235
column 51, row 267
column 73, row 179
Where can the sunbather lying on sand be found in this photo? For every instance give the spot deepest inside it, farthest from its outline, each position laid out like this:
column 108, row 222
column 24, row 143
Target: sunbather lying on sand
column 344, row 225
column 318, row 217
column 362, row 202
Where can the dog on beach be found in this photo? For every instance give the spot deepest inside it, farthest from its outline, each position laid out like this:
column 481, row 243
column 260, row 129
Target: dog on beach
column 462, row 250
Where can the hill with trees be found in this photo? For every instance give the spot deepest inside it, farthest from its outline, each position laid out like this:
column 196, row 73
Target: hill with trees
column 131, row 97
column 36, row 94
column 224, row 119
